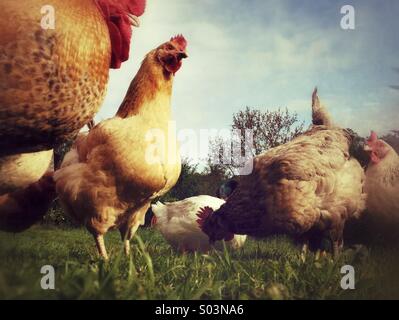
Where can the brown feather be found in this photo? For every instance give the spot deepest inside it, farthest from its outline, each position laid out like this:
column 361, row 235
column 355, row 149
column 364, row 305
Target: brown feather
column 307, row 184
column 52, row 82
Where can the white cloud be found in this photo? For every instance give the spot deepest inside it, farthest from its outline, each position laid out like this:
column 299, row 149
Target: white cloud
column 238, row 59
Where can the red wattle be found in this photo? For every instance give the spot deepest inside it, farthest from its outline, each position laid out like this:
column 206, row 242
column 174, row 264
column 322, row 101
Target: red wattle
column 120, row 30
column 374, row 158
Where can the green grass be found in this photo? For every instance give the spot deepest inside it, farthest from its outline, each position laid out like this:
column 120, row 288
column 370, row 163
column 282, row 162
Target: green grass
column 270, row 269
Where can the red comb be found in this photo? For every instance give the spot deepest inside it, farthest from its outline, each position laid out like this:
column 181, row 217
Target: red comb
column 180, row 40
column 136, row 7
column 203, row 214
column 373, row 137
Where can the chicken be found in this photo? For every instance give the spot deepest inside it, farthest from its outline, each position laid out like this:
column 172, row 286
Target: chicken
column 177, row 223
column 53, row 81
column 226, row 189
column 21, row 209
column 307, row 188
column 110, row 176
column 22, row 175
column 382, row 181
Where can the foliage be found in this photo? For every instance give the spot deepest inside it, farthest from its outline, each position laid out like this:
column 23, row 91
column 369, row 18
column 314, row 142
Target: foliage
column 269, row 129
column 55, row 216
column 393, row 139
column 356, row 149
column 192, row 182
column 187, row 185
column 60, row 152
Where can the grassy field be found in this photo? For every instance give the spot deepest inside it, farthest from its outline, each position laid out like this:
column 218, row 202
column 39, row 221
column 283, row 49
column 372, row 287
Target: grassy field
column 271, row 269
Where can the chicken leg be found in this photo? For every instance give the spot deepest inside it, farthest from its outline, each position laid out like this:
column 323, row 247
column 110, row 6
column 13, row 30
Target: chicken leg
column 129, row 229
column 337, row 246
column 337, row 237
column 126, row 236
column 99, row 238
column 304, row 252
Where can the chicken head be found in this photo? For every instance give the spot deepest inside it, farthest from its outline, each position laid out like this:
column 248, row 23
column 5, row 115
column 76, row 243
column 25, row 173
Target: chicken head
column 171, row 54
column 216, row 230
column 377, row 148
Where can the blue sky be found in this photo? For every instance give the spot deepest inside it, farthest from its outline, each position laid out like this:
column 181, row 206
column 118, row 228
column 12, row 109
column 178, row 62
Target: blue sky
column 269, row 54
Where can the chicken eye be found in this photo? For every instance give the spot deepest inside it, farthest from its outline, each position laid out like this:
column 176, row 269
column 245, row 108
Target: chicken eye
column 170, row 47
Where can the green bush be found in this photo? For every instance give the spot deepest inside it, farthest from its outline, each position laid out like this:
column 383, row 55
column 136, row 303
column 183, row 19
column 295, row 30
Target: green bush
column 56, row 216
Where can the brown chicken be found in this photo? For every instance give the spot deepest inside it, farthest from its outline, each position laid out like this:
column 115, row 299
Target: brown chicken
column 307, row 188
column 53, row 81
column 111, row 175
column 21, row 209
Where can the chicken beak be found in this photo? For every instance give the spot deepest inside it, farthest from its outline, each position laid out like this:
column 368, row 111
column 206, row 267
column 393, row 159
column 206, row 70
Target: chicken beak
column 367, row 148
column 182, row 55
column 134, row 20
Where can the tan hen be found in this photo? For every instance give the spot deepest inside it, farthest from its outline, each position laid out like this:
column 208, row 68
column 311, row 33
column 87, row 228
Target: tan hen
column 110, row 177
column 307, row 188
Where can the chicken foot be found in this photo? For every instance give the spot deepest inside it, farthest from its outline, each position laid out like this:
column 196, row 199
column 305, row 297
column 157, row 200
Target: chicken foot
column 311, row 241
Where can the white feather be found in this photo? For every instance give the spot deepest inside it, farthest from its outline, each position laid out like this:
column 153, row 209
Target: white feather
column 177, row 222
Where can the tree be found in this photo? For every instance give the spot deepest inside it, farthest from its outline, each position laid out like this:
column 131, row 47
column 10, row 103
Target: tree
column 268, row 129
column 212, row 178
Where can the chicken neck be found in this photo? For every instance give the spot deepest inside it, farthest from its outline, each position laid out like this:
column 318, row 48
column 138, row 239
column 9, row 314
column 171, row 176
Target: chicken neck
column 152, row 84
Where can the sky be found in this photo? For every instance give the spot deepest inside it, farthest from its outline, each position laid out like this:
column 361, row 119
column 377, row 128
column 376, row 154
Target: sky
column 268, row 54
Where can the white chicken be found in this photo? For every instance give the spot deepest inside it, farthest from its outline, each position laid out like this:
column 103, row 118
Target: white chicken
column 177, row 222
